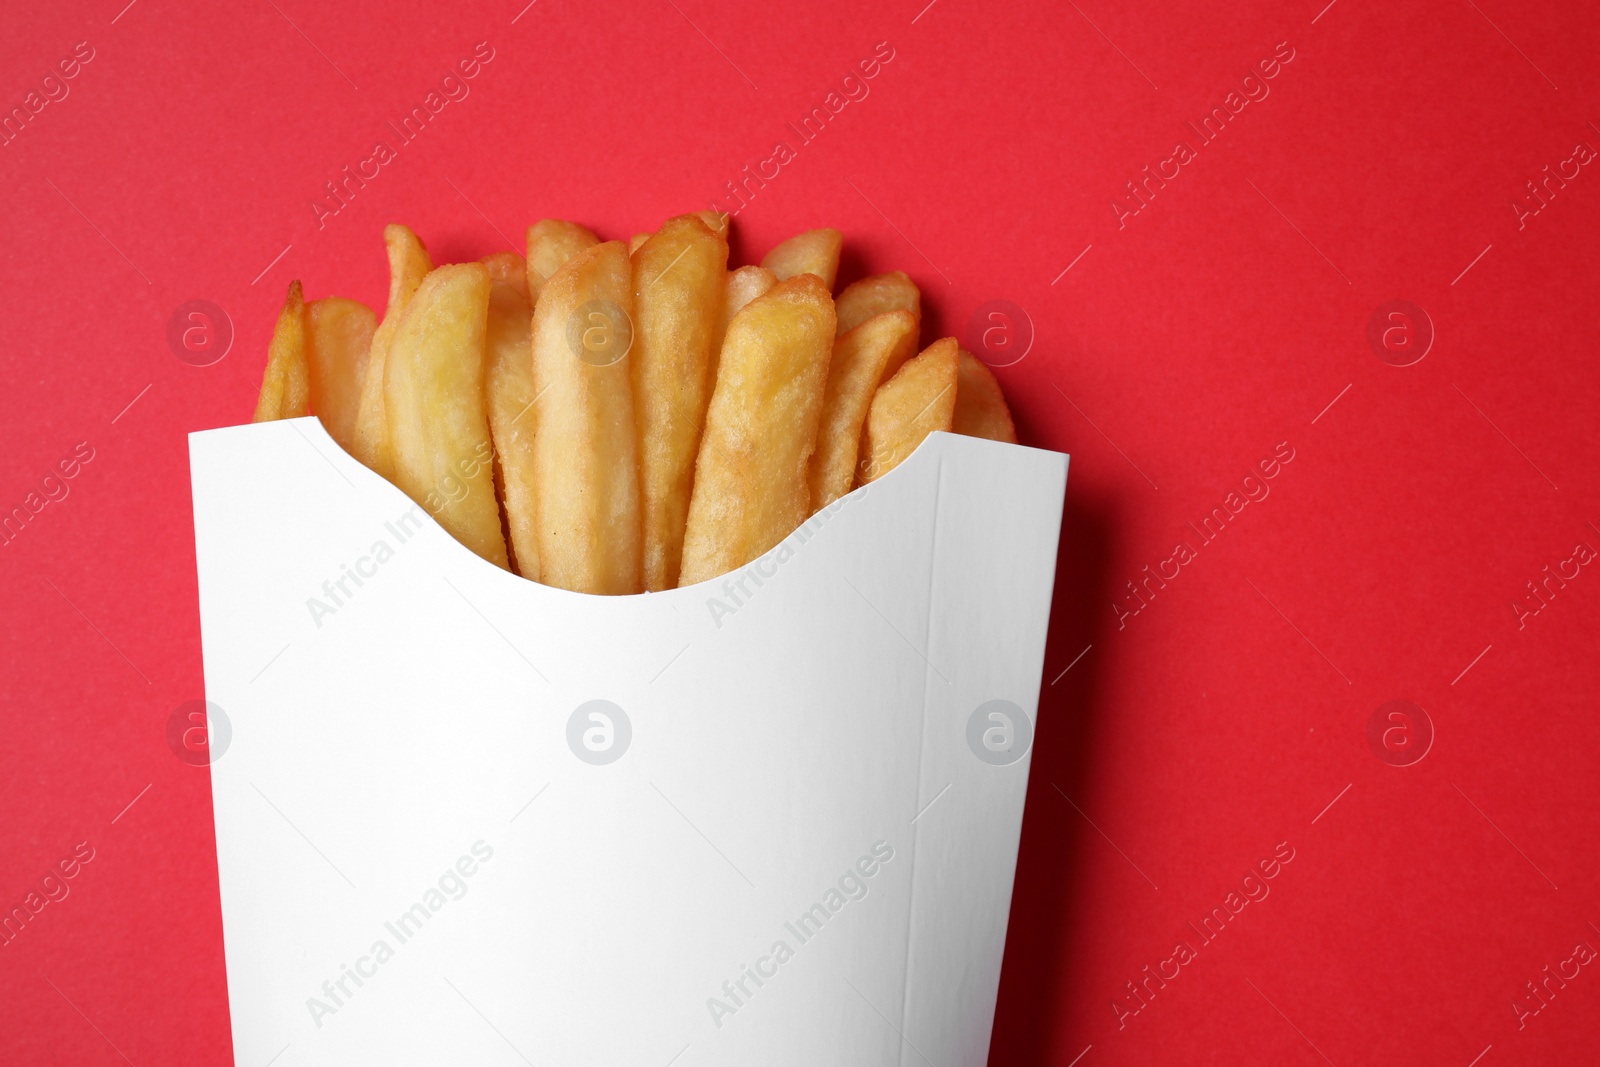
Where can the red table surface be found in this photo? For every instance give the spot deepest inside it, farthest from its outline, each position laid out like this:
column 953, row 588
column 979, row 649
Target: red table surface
column 1174, row 349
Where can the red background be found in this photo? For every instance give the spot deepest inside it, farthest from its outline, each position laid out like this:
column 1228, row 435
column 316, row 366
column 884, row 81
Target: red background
column 1221, row 320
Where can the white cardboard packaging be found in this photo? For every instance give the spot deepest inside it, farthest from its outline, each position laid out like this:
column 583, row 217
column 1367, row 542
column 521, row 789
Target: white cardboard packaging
column 787, row 837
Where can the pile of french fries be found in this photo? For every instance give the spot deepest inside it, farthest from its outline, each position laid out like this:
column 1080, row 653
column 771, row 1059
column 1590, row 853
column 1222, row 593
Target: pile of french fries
column 618, row 418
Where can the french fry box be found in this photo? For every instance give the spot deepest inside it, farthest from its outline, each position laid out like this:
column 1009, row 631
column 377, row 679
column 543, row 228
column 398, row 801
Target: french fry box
column 768, row 819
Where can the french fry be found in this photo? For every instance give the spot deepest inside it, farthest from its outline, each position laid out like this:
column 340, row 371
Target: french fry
column 872, row 296
column 551, row 242
column 918, row 400
column 716, row 222
column 750, row 487
column 875, row 295
column 338, row 343
column 813, row 252
column 501, row 395
column 980, row 405
column 585, row 454
column 408, row 265
column 433, row 397
column 285, row 389
column 509, row 395
column 678, row 289
column 744, row 285
column 861, row 300
column 859, row 357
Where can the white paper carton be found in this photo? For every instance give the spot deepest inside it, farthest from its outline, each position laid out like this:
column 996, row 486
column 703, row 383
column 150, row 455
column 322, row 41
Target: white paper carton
column 465, row 818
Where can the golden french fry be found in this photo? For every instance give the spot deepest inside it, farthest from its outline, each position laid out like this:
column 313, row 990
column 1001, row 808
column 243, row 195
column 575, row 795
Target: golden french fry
column 918, row 400
column 859, row 357
column 750, row 486
column 551, row 242
column 285, row 389
column 508, row 269
column 585, row 453
column 875, row 295
column 678, row 283
column 716, row 222
column 744, row 285
column 980, row 405
column 813, row 252
column 509, row 393
column 338, row 343
column 408, row 265
column 433, row 397
column 636, row 241
column 861, row 300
